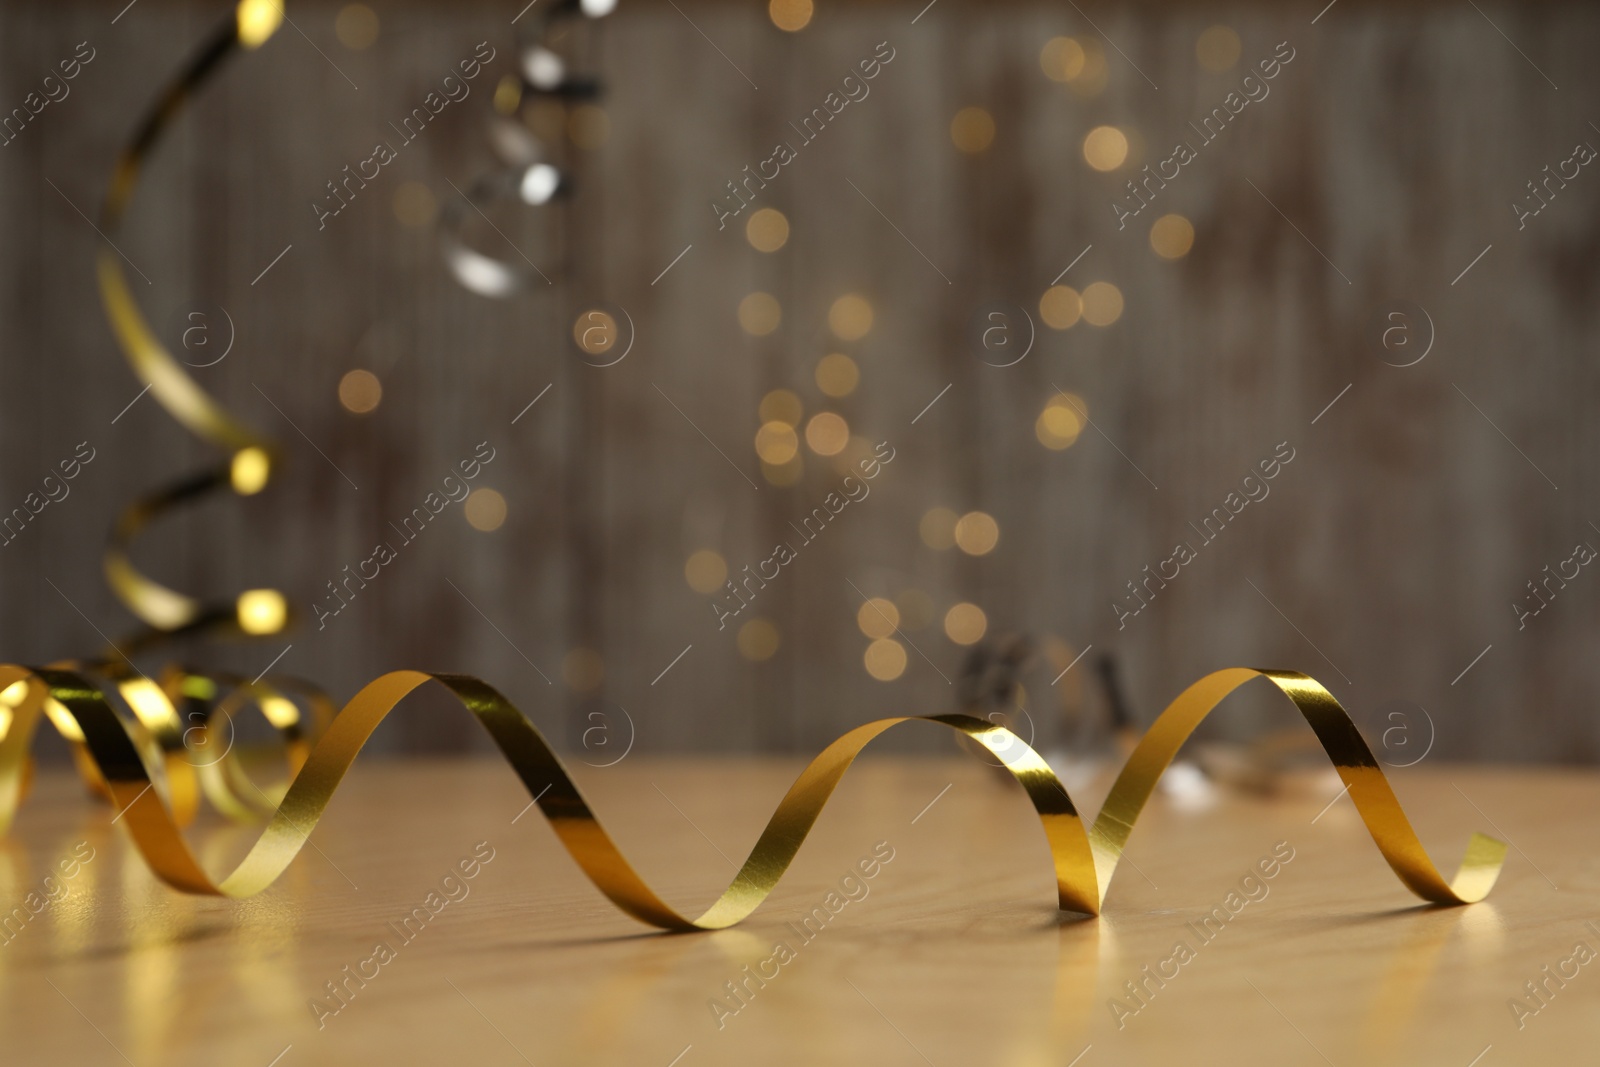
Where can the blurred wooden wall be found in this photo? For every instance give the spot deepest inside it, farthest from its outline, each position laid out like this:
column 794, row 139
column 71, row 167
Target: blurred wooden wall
column 1386, row 558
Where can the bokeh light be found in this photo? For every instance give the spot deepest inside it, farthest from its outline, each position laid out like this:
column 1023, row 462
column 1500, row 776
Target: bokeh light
column 485, row 510
column 759, row 314
column 1060, row 307
column 977, row 533
column 705, row 571
column 850, row 317
column 1062, row 59
column 356, row 26
column 1059, row 424
column 1105, row 148
column 1217, row 48
column 249, row 470
column 595, row 331
column 780, row 405
column 360, row 391
column 837, row 374
column 261, row 611
column 758, row 640
column 790, row 15
column 1102, row 304
column 965, row 623
column 1172, row 236
column 938, row 528
column 972, row 130
column 776, row 443
column 767, row 230
column 827, row 434
column 878, row 617
column 885, row 659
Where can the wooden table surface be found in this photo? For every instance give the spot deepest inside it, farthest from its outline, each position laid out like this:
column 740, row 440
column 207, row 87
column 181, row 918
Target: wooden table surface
column 952, row 954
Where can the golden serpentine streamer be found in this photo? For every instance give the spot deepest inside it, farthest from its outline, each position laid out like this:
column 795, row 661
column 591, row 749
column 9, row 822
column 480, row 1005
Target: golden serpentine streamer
column 250, row 456
column 145, row 767
column 1085, row 858
column 164, row 714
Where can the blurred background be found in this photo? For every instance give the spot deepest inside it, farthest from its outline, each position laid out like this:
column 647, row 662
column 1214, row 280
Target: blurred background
column 1376, row 260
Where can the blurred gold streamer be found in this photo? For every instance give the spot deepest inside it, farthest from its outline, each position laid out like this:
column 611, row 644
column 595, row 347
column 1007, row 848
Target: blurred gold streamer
column 1085, row 858
column 161, row 717
column 145, row 765
column 251, row 457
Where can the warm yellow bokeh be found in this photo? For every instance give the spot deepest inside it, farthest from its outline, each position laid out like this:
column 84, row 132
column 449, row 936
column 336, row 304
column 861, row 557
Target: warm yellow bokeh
column 790, row 15
column 827, row 434
column 485, row 510
column 257, row 20
column 508, row 94
column 837, row 374
column 780, row 405
column 356, row 26
column 850, row 317
column 767, row 230
column 261, row 611
column 1172, row 236
column 776, row 443
column 1058, row 425
column 885, row 659
column 1061, row 59
column 1060, row 307
column 1217, row 48
column 878, row 617
column 705, row 571
column 758, row 640
column 1102, row 304
column 972, row 130
column 965, row 623
column 595, row 331
column 938, row 528
column 977, row 533
column 759, row 314
column 1105, row 148
column 249, row 470
column 360, row 391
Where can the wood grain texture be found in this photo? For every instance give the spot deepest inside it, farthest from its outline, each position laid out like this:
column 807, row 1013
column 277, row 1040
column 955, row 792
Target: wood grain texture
column 952, row 954
column 1385, row 560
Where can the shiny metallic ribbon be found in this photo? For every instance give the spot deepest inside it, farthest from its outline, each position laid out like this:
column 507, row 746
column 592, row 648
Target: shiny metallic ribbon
column 250, row 457
column 1085, row 858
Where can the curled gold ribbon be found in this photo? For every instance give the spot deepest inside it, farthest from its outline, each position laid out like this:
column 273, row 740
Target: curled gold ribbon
column 1085, row 859
column 250, row 457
